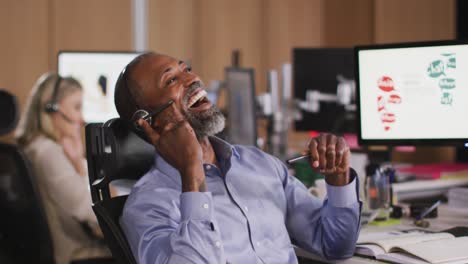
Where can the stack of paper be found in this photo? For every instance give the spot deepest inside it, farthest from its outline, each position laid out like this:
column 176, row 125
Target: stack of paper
column 437, row 248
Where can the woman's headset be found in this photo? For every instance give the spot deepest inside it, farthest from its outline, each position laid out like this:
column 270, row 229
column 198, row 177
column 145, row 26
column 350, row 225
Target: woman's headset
column 53, row 106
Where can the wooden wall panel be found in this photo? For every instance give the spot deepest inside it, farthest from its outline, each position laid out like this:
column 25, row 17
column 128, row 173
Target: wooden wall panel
column 415, row 20
column 206, row 31
column 348, row 23
column 289, row 24
column 23, row 46
column 34, row 30
column 171, row 28
column 90, row 25
column 220, row 27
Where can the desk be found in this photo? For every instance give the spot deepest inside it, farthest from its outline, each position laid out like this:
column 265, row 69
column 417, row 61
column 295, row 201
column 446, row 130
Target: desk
column 448, row 217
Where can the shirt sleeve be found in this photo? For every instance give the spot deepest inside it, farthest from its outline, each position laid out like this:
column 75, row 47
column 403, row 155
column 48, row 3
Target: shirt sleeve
column 329, row 228
column 168, row 232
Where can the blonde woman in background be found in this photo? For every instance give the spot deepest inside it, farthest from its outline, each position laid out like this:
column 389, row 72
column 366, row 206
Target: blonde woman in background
column 50, row 133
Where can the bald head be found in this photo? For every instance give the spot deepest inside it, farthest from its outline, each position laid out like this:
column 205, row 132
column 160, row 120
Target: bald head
column 127, row 89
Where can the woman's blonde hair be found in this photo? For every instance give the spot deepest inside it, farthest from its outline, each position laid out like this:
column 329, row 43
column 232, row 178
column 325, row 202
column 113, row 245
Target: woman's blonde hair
column 35, row 120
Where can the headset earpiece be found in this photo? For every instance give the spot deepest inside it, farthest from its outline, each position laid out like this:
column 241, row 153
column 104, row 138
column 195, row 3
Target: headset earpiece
column 148, row 116
column 141, row 114
column 52, row 106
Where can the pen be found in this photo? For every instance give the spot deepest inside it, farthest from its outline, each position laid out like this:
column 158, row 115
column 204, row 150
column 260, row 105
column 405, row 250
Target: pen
column 292, row 160
column 428, row 210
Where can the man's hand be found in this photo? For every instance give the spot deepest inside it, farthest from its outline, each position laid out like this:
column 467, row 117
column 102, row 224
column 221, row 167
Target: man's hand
column 177, row 143
column 329, row 155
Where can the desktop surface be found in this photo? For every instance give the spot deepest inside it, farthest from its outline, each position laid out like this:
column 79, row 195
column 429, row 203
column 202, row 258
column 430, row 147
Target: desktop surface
column 448, row 218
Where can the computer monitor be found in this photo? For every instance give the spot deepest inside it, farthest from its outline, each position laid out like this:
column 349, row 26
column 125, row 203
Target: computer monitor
column 323, row 80
column 413, row 93
column 97, row 72
column 241, row 106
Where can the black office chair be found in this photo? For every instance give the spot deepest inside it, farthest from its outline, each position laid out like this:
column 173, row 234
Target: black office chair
column 24, row 232
column 114, row 152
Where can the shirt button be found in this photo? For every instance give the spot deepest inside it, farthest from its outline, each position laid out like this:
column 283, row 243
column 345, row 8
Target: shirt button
column 246, row 208
column 258, row 243
column 208, row 167
column 218, row 244
column 206, row 206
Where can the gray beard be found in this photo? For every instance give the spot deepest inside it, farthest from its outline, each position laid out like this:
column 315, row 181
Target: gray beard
column 206, row 123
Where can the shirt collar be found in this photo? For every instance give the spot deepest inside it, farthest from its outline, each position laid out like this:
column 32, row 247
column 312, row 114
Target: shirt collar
column 222, row 148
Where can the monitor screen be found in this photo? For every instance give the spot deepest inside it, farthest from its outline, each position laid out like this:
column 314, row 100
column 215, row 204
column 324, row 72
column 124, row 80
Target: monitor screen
column 323, row 80
column 241, row 118
column 413, row 93
column 97, row 72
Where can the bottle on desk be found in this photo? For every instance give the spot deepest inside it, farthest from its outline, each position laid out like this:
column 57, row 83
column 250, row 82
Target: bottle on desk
column 377, row 189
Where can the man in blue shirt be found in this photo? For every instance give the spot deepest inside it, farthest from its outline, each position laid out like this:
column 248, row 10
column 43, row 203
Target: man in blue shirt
column 207, row 201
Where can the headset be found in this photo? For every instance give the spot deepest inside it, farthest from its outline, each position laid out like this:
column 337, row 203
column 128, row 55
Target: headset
column 146, row 115
column 52, row 106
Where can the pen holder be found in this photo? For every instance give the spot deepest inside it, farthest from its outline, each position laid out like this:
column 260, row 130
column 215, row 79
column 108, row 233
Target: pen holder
column 377, row 191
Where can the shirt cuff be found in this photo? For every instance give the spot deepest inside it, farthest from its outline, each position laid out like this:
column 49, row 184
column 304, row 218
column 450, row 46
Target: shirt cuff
column 196, row 206
column 343, row 196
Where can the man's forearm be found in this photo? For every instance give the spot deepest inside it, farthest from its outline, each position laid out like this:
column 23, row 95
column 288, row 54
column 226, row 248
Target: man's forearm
column 193, row 179
column 339, row 179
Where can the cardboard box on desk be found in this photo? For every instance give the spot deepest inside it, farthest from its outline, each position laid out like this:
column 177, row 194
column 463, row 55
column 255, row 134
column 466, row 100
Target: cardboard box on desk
column 435, row 171
column 425, row 188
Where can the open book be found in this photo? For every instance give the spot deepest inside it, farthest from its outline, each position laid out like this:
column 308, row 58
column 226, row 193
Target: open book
column 414, row 247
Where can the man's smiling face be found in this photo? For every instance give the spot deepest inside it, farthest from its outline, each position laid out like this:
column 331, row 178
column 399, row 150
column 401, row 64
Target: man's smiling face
column 161, row 78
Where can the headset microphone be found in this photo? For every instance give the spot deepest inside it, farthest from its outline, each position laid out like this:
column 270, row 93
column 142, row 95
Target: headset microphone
column 66, row 118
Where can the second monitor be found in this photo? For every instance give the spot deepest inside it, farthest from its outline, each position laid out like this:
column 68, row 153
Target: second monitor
column 413, row 93
column 324, row 85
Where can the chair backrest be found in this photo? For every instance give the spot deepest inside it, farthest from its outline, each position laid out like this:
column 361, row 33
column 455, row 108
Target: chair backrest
column 108, row 213
column 10, row 112
column 24, row 232
column 114, row 152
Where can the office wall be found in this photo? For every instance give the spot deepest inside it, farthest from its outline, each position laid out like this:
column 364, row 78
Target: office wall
column 414, row 20
column 24, row 44
column 206, row 31
column 89, row 25
column 33, row 31
column 348, row 23
column 169, row 33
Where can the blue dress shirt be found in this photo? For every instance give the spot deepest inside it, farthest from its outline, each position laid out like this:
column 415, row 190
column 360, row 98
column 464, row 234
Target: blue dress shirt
column 252, row 213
